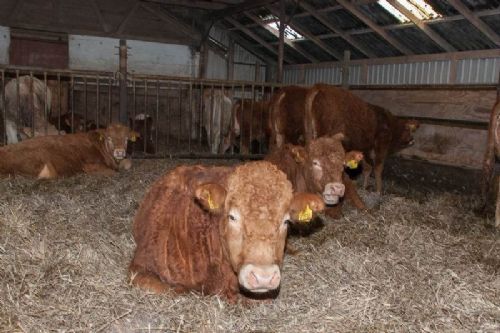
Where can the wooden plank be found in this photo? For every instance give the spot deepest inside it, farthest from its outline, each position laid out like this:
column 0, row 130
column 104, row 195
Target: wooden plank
column 276, row 34
column 325, row 47
column 436, row 38
column 191, row 3
column 239, row 8
column 320, row 17
column 376, row 28
column 476, row 21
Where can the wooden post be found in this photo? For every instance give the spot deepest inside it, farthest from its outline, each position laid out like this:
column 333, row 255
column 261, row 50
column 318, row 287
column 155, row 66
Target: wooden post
column 230, row 60
column 123, row 116
column 281, row 46
column 345, row 69
column 453, row 70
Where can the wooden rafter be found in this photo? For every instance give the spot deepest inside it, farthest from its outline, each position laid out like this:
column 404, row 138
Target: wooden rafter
column 191, row 3
column 131, row 12
column 254, row 36
column 98, row 13
column 172, row 20
column 475, row 21
column 375, row 27
column 440, row 41
column 325, row 47
column 16, row 11
column 239, row 8
column 322, row 18
column 276, row 34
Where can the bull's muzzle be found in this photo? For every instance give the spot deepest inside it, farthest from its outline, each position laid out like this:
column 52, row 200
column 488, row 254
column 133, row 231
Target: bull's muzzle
column 119, row 154
column 333, row 192
column 259, row 279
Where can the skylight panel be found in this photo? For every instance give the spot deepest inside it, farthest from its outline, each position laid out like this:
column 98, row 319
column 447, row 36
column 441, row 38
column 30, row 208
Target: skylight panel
column 419, row 8
column 273, row 22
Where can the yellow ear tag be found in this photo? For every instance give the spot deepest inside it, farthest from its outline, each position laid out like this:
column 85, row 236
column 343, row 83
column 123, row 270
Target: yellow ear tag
column 352, row 164
column 211, row 203
column 133, row 138
column 306, row 215
column 101, row 137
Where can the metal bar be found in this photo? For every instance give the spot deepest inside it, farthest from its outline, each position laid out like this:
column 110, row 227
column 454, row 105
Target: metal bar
column 85, row 104
column 18, row 99
column 72, row 84
column 4, row 115
column 242, row 116
column 221, row 123
column 211, row 118
column 180, row 116
column 250, row 123
column 32, row 106
column 157, row 124
column 134, row 112
column 98, row 104
column 45, row 106
column 190, row 110
column 110, row 98
column 200, row 115
column 233, row 139
column 122, row 115
column 59, row 102
column 145, row 139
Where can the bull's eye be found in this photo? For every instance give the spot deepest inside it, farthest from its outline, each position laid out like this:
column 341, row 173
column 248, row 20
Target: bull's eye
column 232, row 218
column 286, row 221
column 316, row 163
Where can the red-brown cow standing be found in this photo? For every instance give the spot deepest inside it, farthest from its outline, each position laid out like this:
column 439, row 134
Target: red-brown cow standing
column 492, row 152
column 287, row 110
column 372, row 130
column 319, row 168
column 47, row 157
column 216, row 229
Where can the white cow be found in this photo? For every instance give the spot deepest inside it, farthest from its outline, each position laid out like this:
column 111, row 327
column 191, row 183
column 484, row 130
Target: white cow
column 22, row 123
column 216, row 118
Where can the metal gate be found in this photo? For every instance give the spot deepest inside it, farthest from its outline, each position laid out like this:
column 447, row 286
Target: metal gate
column 176, row 116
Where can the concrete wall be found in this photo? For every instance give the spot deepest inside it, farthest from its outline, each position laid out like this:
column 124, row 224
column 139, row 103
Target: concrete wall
column 4, row 45
column 93, row 53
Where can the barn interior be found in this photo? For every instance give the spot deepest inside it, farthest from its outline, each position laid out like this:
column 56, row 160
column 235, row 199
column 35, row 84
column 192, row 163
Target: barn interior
column 422, row 258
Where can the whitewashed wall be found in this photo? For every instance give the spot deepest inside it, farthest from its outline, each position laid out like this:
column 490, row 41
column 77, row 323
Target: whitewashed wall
column 93, row 53
column 101, row 54
column 4, row 45
column 160, row 58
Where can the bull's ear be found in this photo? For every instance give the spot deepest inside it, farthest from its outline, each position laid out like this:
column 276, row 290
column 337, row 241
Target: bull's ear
column 339, row 136
column 304, row 206
column 100, row 133
column 298, row 154
column 211, row 197
column 133, row 135
column 352, row 159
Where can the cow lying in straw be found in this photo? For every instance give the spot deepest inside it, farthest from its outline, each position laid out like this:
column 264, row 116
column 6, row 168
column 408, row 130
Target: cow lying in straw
column 217, row 230
column 46, row 157
column 319, row 168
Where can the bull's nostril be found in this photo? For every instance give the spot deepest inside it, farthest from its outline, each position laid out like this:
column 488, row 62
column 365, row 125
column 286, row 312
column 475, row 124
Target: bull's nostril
column 255, row 279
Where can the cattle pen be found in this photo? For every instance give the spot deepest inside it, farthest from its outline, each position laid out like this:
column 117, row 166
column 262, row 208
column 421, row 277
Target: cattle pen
column 205, row 83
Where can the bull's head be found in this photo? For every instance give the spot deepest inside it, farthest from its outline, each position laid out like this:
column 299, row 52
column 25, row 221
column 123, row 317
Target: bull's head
column 323, row 162
column 407, row 131
column 255, row 205
column 115, row 138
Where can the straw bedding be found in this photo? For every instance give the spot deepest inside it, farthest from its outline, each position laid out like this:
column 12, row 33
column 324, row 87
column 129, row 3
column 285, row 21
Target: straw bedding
column 419, row 261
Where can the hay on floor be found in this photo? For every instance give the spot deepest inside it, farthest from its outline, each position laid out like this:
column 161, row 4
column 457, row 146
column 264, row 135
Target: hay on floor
column 418, row 262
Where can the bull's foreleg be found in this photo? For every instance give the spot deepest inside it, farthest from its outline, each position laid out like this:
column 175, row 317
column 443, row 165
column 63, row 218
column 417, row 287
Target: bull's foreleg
column 11, row 131
column 351, row 193
column 367, row 171
column 379, row 168
column 98, row 169
column 146, row 280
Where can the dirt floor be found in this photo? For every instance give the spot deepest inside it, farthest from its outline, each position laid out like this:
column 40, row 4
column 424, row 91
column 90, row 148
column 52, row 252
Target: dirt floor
column 421, row 261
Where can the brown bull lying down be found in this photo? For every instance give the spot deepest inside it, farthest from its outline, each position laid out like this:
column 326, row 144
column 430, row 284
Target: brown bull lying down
column 216, row 229
column 319, row 168
column 370, row 129
column 100, row 152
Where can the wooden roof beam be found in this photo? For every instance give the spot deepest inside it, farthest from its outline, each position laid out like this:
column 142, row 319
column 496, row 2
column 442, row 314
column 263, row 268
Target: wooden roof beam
column 436, row 38
column 322, row 18
column 170, row 19
column 131, row 12
column 276, row 34
column 98, row 13
column 254, row 36
column 475, row 21
column 203, row 4
column 239, row 8
column 325, row 47
column 375, row 27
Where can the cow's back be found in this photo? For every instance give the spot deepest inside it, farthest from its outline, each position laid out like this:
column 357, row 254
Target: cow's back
column 178, row 240
column 287, row 115
column 283, row 159
column 331, row 110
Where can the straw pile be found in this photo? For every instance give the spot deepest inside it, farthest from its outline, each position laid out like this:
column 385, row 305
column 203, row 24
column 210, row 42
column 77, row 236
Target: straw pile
column 420, row 261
